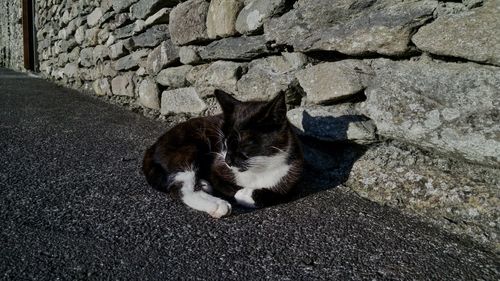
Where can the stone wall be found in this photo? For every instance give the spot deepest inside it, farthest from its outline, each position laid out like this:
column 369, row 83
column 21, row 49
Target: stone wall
column 417, row 83
column 11, row 35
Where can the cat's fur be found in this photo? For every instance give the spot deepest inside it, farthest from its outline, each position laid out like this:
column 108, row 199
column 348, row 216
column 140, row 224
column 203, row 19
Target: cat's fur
column 249, row 154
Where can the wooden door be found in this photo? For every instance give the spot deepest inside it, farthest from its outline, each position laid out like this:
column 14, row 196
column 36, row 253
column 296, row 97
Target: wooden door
column 29, row 35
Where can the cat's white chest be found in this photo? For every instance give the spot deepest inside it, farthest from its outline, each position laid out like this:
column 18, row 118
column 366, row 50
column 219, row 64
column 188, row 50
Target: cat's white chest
column 264, row 172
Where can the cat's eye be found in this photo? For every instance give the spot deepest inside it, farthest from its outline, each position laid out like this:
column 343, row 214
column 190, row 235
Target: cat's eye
column 251, row 142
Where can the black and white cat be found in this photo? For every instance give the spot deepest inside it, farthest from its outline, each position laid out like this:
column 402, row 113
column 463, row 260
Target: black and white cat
column 249, row 154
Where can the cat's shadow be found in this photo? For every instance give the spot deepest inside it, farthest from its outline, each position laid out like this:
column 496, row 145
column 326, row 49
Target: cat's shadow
column 327, row 163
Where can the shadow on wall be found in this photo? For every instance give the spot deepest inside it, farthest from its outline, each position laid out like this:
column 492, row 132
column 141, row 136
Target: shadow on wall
column 327, row 163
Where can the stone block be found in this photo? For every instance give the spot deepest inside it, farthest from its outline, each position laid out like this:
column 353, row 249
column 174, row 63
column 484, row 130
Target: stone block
column 123, row 85
column 188, row 22
column 182, row 100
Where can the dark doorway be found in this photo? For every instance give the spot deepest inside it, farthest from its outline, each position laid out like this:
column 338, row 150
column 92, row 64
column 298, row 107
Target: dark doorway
column 30, row 61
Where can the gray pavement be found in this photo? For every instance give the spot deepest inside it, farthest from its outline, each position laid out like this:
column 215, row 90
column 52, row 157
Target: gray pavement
column 74, row 205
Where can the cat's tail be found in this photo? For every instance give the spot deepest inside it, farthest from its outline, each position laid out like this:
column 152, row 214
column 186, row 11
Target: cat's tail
column 155, row 175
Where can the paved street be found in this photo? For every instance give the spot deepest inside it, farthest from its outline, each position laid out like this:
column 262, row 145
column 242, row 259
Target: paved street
column 74, row 205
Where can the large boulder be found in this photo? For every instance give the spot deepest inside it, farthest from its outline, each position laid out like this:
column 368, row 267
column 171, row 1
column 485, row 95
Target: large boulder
column 473, row 35
column 350, row 26
column 452, row 108
column 188, row 22
column 221, row 17
column 332, row 81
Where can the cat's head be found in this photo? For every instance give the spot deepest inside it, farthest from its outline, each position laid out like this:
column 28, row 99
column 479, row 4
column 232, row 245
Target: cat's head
column 253, row 129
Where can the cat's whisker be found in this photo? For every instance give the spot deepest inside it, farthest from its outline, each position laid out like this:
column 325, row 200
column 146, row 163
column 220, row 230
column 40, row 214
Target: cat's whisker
column 277, row 148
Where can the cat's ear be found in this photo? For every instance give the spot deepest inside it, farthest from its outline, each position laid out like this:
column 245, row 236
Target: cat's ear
column 275, row 110
column 226, row 101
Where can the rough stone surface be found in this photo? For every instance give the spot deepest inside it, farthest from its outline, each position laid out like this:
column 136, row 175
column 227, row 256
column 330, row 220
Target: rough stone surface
column 123, row 85
column 117, row 50
column 255, row 13
column 100, row 53
column 145, row 8
column 162, row 16
column 86, row 57
column 165, row 54
column 333, row 123
column 11, row 35
column 452, row 108
column 130, row 29
column 182, row 100
column 189, row 55
column 196, row 73
column 68, row 45
column 122, row 5
column 152, row 36
column 331, row 81
column 149, row 94
column 174, row 77
column 103, row 36
column 119, row 21
column 458, row 197
column 80, row 34
column 235, row 48
column 268, row 76
column 220, row 74
column 91, row 36
column 101, row 87
column 71, row 69
column 188, row 22
column 349, row 26
column 221, row 17
column 130, row 61
column 94, row 17
column 472, row 35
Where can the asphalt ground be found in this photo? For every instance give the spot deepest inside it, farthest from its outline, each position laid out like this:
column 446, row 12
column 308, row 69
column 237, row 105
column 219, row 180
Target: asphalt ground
column 74, row 205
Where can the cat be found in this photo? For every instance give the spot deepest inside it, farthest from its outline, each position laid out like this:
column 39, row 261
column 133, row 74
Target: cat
column 248, row 155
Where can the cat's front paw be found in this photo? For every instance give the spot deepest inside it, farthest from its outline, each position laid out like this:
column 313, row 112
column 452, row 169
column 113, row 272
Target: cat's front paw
column 244, row 197
column 223, row 209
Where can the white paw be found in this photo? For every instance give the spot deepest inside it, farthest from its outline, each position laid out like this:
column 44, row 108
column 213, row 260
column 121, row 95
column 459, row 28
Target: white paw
column 223, row 209
column 205, row 186
column 244, row 198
